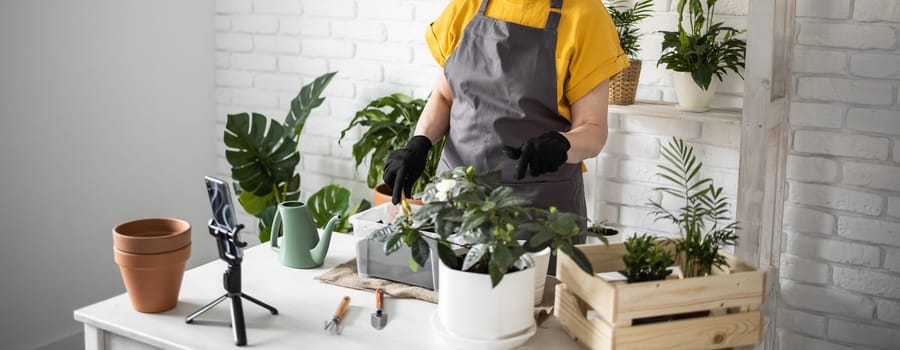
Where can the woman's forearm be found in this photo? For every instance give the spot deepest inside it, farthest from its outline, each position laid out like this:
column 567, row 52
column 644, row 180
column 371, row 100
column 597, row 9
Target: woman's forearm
column 589, row 124
column 435, row 119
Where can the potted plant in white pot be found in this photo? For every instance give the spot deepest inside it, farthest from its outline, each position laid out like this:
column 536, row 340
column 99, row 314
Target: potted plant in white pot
column 486, row 281
column 623, row 85
column 696, row 54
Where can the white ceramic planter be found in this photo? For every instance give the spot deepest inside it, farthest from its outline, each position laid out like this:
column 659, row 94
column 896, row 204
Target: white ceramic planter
column 691, row 97
column 470, row 309
column 541, row 264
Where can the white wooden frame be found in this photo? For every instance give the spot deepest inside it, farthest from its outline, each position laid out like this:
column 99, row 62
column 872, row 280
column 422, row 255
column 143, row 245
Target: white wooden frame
column 764, row 144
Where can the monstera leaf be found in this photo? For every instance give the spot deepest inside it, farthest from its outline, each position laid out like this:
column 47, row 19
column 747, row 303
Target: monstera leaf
column 334, row 200
column 262, row 160
column 308, row 99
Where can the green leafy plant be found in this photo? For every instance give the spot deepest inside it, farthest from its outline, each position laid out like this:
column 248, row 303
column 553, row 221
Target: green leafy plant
column 390, row 122
column 263, row 155
column 626, row 18
column 333, row 200
column 702, row 219
column 472, row 212
column 646, row 259
column 708, row 49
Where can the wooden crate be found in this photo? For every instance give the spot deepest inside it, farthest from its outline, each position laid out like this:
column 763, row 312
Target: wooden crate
column 712, row 312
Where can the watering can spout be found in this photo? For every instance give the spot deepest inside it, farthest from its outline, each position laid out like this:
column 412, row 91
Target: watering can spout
column 318, row 253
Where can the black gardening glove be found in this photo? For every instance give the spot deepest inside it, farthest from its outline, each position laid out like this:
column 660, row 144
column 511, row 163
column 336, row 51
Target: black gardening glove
column 539, row 155
column 404, row 166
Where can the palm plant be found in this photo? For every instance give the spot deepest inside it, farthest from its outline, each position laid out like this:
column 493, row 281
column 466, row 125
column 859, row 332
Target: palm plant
column 625, row 19
column 263, row 155
column 703, row 218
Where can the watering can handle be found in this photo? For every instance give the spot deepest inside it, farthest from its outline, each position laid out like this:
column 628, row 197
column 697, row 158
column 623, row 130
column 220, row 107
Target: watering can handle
column 276, row 226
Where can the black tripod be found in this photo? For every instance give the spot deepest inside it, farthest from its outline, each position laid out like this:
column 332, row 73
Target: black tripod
column 230, row 250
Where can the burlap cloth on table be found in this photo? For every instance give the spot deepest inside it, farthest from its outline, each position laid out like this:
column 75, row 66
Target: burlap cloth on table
column 345, row 275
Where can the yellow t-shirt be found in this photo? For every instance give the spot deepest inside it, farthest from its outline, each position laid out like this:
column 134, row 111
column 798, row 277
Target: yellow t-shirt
column 587, row 47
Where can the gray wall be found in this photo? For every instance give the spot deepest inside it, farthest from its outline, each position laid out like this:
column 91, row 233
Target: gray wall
column 106, row 114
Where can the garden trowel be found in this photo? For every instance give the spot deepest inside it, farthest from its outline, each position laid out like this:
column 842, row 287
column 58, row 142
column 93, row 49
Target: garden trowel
column 379, row 317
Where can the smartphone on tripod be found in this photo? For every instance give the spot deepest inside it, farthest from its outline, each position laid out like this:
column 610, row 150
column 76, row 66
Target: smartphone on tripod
column 223, row 218
column 221, row 203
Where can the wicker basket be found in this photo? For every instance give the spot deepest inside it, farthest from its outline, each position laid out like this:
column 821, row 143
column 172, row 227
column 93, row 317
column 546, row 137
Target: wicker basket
column 623, row 86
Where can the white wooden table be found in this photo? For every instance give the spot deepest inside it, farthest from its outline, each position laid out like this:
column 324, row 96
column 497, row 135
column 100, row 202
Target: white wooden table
column 303, row 304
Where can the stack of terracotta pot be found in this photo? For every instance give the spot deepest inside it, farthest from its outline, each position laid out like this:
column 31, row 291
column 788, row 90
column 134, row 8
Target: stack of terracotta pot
column 151, row 254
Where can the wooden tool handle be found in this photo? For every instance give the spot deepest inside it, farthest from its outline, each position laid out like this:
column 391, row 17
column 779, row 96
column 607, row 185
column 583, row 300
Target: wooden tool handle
column 342, row 308
column 379, row 298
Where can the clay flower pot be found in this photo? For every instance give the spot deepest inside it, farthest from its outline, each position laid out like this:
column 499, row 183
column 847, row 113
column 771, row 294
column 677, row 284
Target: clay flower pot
column 151, row 254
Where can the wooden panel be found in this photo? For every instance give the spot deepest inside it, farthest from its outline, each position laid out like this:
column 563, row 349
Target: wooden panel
column 700, row 333
column 588, row 333
column 601, row 296
column 692, row 294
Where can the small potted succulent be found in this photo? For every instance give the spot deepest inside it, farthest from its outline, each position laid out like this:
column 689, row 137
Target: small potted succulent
column 610, row 234
column 696, row 54
column 646, row 259
column 486, row 282
column 390, row 122
column 623, row 86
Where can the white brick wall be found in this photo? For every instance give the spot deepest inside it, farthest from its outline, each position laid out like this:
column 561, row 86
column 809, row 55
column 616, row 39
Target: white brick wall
column 621, row 179
column 841, row 267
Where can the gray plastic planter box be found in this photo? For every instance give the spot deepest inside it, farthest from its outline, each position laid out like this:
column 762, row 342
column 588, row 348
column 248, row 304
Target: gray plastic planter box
column 371, row 260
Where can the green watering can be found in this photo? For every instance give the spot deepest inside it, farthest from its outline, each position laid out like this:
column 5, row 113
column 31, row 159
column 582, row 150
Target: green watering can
column 300, row 246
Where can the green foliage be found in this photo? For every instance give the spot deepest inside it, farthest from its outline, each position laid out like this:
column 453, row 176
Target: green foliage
column 646, row 259
column 707, row 49
column 263, row 155
column 702, row 220
column 390, row 122
column 625, row 19
column 602, row 230
column 473, row 212
column 334, row 200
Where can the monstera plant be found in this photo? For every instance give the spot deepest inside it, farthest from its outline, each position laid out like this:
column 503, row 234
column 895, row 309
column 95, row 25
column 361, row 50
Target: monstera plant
column 263, row 154
column 333, row 200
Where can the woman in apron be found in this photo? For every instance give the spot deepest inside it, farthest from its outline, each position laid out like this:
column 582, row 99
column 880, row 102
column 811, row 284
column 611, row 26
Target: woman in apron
column 524, row 89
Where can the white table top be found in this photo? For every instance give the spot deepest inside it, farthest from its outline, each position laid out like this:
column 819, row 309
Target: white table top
column 304, row 305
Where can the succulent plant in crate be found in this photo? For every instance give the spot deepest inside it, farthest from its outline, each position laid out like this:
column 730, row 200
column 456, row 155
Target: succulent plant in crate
column 646, row 259
column 702, row 218
column 473, row 213
column 263, row 155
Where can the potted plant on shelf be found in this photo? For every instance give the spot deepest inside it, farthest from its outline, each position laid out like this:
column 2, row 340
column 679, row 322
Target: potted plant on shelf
column 486, row 290
column 390, row 122
column 263, row 155
column 623, row 85
column 696, row 54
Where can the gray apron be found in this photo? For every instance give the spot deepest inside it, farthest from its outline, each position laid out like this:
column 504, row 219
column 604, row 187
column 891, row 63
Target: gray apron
column 503, row 79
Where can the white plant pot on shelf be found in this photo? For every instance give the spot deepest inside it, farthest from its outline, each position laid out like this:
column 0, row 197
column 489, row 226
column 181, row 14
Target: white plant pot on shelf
column 691, row 97
column 472, row 313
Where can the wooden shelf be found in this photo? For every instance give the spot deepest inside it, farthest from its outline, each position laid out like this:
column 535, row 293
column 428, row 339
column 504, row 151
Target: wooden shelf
column 668, row 110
